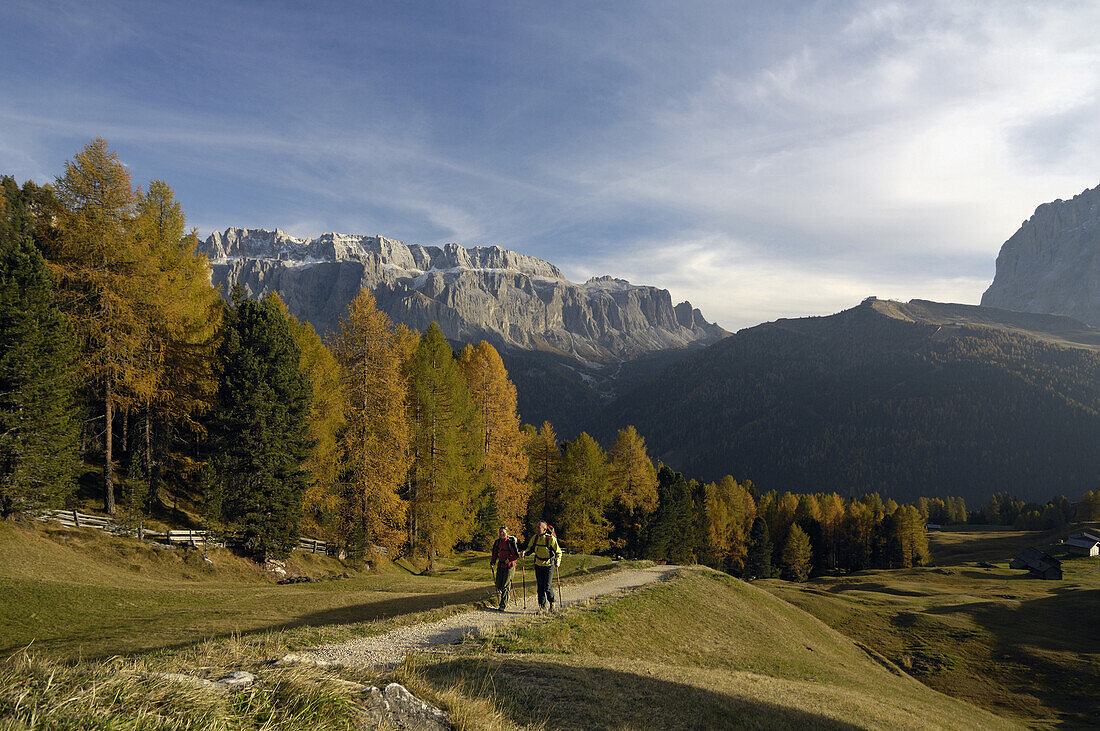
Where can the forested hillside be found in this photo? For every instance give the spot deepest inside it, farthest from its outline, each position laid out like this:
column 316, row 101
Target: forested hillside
column 907, row 399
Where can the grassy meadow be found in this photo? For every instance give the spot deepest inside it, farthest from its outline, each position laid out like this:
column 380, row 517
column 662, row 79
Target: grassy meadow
column 85, row 593
column 1019, row 646
column 948, row 646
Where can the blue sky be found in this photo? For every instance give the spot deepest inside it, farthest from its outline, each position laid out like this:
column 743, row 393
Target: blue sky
column 760, row 159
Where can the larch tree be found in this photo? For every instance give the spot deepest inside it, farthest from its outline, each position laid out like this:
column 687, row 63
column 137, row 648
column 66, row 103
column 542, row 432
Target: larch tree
column 797, row 555
column 39, row 455
column 104, row 277
column 502, row 440
column 543, row 468
column 584, row 495
column 632, row 487
column 447, row 452
column 1089, row 508
column 375, row 443
column 259, row 432
column 184, row 321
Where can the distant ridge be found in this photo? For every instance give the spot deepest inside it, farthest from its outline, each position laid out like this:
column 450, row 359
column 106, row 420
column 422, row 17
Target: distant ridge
column 907, row 399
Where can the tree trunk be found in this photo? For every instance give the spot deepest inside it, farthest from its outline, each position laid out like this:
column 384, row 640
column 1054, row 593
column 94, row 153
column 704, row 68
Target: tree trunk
column 154, row 498
column 108, row 466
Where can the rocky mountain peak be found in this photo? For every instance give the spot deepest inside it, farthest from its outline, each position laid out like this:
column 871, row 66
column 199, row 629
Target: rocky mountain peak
column 1052, row 263
column 483, row 292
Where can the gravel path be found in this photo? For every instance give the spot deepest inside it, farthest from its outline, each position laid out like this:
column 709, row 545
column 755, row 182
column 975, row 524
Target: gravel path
column 390, row 649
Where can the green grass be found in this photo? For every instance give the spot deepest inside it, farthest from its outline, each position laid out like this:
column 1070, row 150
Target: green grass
column 992, row 636
column 701, row 651
column 88, row 594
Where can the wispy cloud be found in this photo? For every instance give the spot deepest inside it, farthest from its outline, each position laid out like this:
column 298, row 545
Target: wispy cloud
column 761, row 163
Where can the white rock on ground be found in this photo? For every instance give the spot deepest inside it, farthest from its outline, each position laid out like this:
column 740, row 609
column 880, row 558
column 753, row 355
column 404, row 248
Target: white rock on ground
column 396, row 707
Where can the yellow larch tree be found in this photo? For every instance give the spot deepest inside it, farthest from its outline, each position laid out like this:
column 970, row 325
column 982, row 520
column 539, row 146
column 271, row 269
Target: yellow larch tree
column 104, row 277
column 502, row 440
column 184, row 314
column 543, row 473
column 375, row 443
column 632, row 486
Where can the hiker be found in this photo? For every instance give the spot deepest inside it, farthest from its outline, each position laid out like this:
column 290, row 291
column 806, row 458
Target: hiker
column 505, row 555
column 547, row 559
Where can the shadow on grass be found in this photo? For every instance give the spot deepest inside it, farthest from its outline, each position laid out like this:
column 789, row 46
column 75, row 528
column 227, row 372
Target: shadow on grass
column 993, row 547
column 1064, row 674
column 568, row 697
column 876, row 587
column 144, row 635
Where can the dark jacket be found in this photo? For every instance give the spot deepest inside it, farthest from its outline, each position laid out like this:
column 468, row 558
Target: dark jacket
column 505, row 551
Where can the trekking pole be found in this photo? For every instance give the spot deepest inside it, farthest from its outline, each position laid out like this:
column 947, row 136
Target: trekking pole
column 557, row 575
column 523, row 570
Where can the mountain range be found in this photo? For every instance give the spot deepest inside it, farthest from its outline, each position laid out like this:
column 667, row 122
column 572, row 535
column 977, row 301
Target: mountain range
column 908, row 399
column 569, row 347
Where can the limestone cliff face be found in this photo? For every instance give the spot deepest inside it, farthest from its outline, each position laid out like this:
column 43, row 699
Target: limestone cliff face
column 510, row 299
column 1052, row 263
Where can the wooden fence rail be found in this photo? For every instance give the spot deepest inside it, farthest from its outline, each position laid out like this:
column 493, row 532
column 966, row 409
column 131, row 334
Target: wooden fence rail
column 194, row 538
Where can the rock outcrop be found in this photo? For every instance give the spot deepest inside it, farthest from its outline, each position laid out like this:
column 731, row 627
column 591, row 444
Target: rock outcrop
column 395, row 707
column 1052, row 263
column 486, row 292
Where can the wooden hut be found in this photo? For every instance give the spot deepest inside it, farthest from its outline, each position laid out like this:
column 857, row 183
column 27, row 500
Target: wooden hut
column 1038, row 563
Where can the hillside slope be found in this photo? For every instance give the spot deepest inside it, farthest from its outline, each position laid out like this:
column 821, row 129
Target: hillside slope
column 701, row 651
column 907, row 399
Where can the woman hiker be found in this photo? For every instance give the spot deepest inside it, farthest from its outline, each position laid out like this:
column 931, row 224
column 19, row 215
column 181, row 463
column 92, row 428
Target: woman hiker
column 547, row 559
column 505, row 555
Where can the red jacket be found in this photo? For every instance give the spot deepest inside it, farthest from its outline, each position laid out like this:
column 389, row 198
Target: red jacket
column 505, row 551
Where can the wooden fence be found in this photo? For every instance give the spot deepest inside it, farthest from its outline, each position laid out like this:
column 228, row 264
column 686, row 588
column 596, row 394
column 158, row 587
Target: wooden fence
column 193, row 538
column 76, row 519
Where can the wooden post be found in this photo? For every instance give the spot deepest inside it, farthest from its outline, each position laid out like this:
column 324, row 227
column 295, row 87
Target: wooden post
column 76, row 518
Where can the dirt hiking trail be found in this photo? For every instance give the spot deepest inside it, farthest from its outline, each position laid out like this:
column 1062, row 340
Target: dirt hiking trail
column 389, row 649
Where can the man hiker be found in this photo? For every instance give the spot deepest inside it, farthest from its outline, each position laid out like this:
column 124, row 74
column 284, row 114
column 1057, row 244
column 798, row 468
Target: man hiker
column 547, row 558
column 505, row 555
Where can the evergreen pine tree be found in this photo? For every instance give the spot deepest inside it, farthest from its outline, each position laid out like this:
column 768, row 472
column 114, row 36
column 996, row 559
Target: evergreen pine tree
column 320, row 504
column 38, row 434
column 259, row 430
column 758, row 564
column 671, row 532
